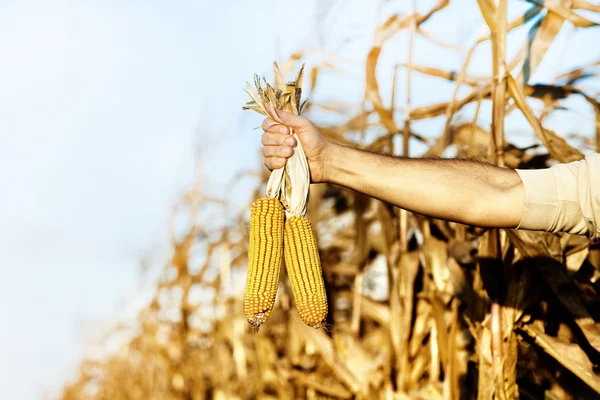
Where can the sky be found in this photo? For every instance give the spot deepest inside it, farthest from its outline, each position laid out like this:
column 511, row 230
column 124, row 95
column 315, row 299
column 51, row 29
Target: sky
column 103, row 108
column 109, row 109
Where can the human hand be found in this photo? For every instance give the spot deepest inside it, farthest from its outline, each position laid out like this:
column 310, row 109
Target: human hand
column 278, row 145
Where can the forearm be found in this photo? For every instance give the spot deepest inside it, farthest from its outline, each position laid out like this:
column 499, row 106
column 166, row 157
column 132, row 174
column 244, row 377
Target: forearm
column 464, row 191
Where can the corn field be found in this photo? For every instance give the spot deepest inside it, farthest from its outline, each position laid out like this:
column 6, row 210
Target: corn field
column 419, row 308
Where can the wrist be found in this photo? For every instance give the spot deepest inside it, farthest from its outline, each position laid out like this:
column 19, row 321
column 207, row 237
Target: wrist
column 330, row 162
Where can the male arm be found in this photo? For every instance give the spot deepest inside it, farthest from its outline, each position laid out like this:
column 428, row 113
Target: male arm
column 464, row 191
column 563, row 198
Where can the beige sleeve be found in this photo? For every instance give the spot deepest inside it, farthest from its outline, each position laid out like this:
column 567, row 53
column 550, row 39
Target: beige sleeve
column 564, row 198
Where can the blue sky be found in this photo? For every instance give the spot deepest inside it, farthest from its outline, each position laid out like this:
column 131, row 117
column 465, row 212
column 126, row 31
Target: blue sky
column 108, row 109
column 102, row 110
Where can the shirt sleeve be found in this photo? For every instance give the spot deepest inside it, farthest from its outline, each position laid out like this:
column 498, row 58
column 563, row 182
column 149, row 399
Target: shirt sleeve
column 563, row 198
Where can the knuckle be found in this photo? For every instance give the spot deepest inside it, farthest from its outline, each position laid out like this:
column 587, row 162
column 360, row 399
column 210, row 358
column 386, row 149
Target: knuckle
column 281, row 139
column 266, row 124
column 274, row 128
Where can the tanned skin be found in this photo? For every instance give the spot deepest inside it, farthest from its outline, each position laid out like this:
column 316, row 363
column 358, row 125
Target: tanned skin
column 464, row 191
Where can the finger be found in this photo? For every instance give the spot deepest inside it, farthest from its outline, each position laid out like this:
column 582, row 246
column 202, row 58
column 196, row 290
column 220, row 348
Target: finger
column 277, row 151
column 278, row 128
column 267, row 123
column 295, row 121
column 270, row 125
column 277, row 139
column 275, row 162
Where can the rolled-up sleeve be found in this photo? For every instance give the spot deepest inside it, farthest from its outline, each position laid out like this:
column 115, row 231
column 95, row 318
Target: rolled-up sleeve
column 563, row 198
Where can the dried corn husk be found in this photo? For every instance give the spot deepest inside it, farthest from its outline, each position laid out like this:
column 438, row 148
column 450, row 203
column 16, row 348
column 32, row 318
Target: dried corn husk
column 291, row 183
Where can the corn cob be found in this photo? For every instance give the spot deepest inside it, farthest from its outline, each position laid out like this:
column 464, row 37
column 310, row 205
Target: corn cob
column 264, row 259
column 304, row 271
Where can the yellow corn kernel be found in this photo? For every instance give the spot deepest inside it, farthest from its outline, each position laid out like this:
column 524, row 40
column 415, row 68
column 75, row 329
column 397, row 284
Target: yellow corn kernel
column 264, row 259
column 304, row 271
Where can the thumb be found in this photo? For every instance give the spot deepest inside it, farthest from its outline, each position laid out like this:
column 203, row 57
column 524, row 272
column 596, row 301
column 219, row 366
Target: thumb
column 289, row 119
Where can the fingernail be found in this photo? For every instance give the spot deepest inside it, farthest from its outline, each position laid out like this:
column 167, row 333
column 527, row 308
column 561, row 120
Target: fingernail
column 289, row 141
column 283, row 129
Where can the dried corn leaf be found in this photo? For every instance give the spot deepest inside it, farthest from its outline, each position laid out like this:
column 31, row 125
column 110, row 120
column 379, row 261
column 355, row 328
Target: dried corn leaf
column 597, row 114
column 355, row 358
column 435, row 254
column 577, row 74
column 557, row 146
column 388, row 29
column 278, row 78
column 571, row 297
column 451, row 374
column 437, row 109
column 550, row 93
column 585, row 5
column 569, row 355
column 541, row 36
column 328, row 388
column 519, row 296
column 438, row 311
column 559, row 8
column 256, row 98
column 314, row 73
column 386, row 115
column 575, row 259
column 515, row 23
column 488, row 13
column 290, row 64
column 440, row 5
column 486, row 386
column 557, row 278
column 421, row 327
column 298, row 91
column 448, row 75
column 427, row 35
column 258, row 109
column 376, row 311
column 326, row 349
